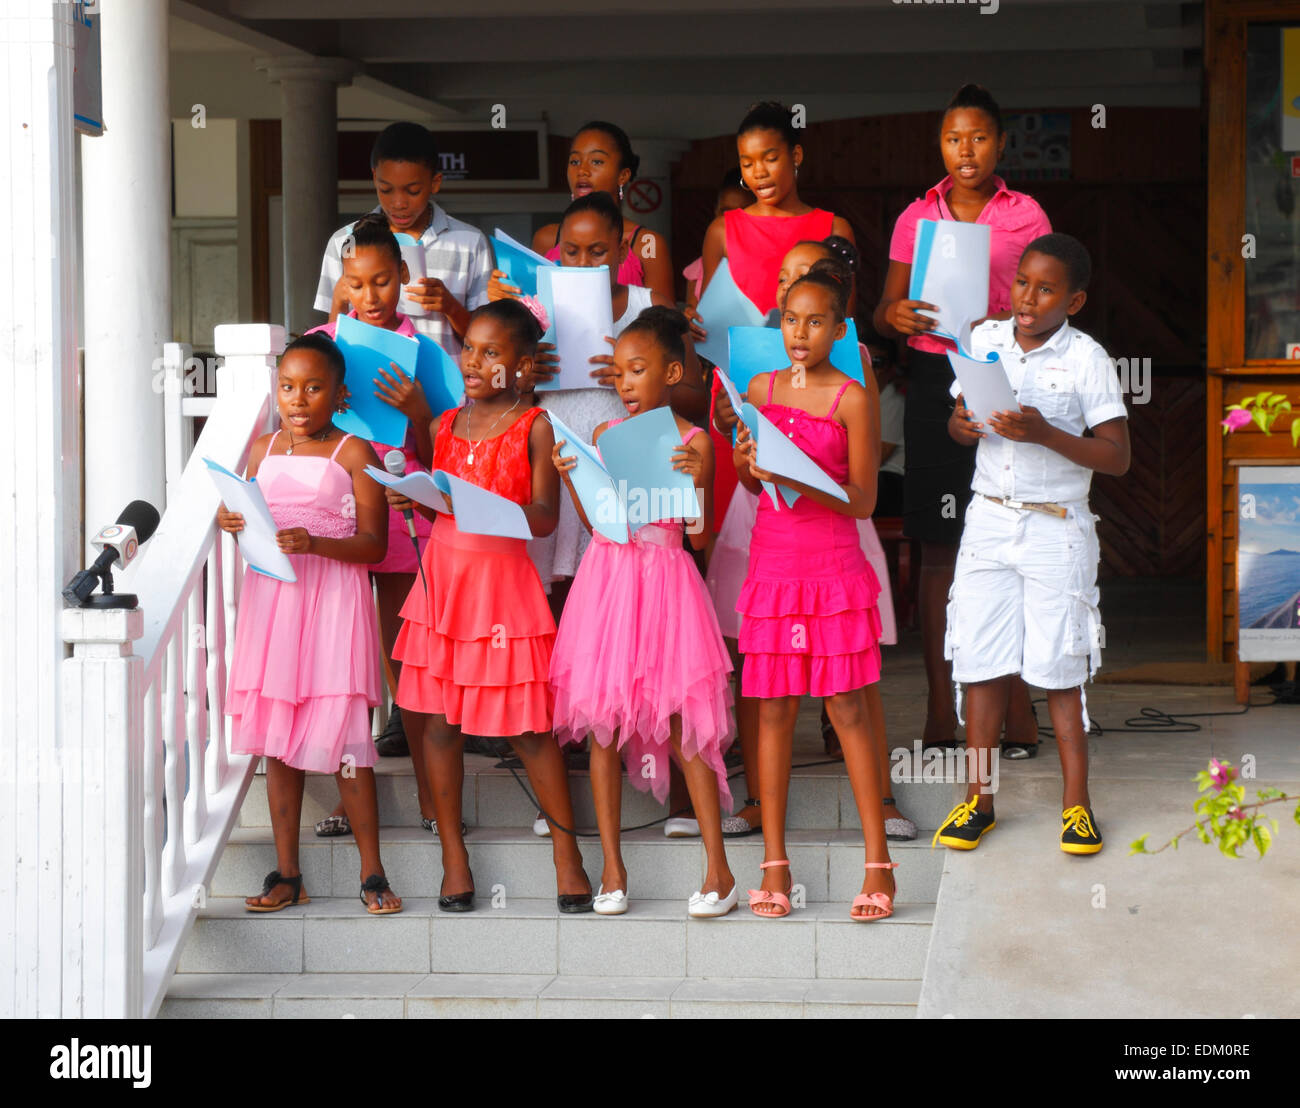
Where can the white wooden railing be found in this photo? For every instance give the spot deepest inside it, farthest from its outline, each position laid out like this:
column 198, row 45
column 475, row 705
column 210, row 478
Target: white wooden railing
column 171, row 789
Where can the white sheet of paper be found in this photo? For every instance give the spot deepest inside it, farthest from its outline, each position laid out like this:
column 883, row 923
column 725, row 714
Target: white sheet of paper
column 413, row 256
column 737, row 401
column 257, row 540
column 779, row 456
column 984, row 385
column 418, row 486
column 582, row 317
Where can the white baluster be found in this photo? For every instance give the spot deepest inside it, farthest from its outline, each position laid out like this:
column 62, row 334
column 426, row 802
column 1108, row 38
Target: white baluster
column 215, row 631
column 230, row 573
column 196, row 713
column 173, row 721
column 153, row 828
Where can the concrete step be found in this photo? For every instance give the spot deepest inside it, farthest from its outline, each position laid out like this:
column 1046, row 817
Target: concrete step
column 529, row 996
column 828, row 864
column 655, row 939
column 819, row 797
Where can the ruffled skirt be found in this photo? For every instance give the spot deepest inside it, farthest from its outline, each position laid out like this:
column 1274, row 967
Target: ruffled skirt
column 477, row 649
column 306, row 667
column 639, row 644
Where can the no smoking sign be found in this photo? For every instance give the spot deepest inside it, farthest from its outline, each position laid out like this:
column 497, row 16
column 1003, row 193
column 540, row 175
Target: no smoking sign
column 644, row 196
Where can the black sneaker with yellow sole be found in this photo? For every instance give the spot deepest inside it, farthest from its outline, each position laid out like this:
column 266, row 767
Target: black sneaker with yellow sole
column 1079, row 831
column 964, row 826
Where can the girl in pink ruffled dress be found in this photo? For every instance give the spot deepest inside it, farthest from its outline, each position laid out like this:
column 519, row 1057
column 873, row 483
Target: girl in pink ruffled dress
column 810, row 624
column 639, row 661
column 305, row 671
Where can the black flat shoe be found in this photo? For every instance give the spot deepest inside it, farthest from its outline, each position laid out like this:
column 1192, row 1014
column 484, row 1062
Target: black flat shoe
column 1019, row 751
column 457, row 902
column 574, row 903
column 392, row 743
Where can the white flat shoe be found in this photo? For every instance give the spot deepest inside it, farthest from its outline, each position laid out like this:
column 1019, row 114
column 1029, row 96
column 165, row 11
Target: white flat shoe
column 610, row 904
column 541, row 827
column 679, row 827
column 707, row 905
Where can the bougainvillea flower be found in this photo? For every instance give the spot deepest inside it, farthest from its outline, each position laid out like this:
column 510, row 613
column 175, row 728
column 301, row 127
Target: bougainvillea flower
column 1237, row 419
column 1221, row 773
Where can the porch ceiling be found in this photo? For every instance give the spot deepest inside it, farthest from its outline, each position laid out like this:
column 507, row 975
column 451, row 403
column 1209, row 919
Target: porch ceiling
column 686, row 70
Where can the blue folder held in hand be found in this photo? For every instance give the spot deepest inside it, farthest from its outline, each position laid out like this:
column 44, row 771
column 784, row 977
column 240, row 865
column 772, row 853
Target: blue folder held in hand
column 518, row 262
column 439, row 376
column 630, row 480
column 723, row 305
column 756, row 350
column 365, row 350
column 950, row 269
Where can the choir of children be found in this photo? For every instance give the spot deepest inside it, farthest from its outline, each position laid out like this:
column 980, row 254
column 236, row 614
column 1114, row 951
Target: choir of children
column 639, row 662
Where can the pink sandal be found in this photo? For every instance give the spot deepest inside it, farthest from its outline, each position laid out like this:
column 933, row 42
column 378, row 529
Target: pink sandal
column 762, row 896
column 875, row 900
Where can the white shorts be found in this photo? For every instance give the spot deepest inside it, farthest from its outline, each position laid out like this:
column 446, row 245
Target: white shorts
column 1024, row 597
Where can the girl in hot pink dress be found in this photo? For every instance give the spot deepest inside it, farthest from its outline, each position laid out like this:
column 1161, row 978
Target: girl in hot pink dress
column 305, row 670
column 809, row 621
column 639, row 661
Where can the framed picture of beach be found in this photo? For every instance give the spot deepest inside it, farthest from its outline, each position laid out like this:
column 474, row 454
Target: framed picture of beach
column 1268, row 563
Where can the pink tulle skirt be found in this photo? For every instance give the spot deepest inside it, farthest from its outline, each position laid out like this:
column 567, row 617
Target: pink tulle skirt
column 638, row 644
column 306, row 666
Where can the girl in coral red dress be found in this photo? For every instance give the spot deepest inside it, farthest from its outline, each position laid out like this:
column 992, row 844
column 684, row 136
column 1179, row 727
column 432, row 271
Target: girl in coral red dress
column 476, row 650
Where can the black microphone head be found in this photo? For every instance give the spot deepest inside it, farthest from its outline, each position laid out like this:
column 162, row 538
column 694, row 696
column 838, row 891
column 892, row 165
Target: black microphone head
column 141, row 515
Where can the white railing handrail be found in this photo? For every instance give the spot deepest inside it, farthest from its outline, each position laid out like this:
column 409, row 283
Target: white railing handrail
column 157, row 712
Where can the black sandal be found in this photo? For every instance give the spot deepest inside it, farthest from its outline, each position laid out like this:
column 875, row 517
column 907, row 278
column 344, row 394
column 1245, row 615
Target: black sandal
column 378, row 885
column 458, row 902
column 574, row 903
column 276, row 878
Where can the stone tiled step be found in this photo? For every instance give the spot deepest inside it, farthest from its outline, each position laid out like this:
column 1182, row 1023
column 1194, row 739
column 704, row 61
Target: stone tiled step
column 828, row 864
column 655, row 939
column 819, row 797
column 528, row 996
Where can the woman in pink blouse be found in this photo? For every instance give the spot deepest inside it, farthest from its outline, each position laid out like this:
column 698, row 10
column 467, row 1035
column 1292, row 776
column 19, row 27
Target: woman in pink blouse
column 937, row 479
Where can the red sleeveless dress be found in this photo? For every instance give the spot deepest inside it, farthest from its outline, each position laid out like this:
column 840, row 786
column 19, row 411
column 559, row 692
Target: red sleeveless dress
column 477, row 648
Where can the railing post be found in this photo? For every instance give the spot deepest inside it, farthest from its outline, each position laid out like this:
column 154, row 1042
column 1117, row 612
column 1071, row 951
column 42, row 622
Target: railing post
column 178, row 433
column 102, row 769
column 249, row 352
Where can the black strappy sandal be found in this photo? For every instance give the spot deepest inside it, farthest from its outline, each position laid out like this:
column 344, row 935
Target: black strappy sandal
column 378, row 885
column 276, row 878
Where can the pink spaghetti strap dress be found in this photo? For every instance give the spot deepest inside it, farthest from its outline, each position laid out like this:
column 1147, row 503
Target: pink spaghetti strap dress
column 810, row 625
column 306, row 665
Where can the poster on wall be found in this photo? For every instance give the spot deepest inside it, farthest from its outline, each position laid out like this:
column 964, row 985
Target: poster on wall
column 1268, row 564
column 1290, row 88
column 1038, row 146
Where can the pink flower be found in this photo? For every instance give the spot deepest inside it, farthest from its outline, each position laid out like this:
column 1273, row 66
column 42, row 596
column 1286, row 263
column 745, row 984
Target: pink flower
column 1237, row 419
column 1236, row 813
column 539, row 313
column 1221, row 773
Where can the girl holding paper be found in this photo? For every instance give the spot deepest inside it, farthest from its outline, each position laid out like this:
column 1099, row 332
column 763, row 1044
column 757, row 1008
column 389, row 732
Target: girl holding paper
column 639, row 661
column 476, row 648
column 305, row 670
column 937, row 477
column 373, row 277
column 810, row 623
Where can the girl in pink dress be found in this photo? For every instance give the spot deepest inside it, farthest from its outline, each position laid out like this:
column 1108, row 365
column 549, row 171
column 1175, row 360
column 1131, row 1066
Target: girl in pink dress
column 810, row 625
column 639, row 661
column 305, row 671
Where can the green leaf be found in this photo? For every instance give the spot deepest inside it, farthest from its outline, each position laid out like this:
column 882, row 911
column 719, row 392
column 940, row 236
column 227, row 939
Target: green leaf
column 1269, row 793
column 1247, row 401
column 1275, row 398
column 1261, row 420
column 1262, row 840
column 1295, row 432
column 1285, row 406
column 1174, row 842
column 1204, row 781
column 1138, row 846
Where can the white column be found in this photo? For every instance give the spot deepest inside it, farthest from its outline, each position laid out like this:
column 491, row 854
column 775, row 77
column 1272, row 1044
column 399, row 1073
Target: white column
column 126, row 205
column 309, row 173
column 39, row 492
column 656, row 168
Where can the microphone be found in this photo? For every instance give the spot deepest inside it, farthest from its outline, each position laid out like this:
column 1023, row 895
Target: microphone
column 118, row 544
column 395, row 463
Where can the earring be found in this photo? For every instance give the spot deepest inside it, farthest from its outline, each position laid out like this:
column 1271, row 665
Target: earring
column 620, row 192
column 519, row 372
column 796, row 171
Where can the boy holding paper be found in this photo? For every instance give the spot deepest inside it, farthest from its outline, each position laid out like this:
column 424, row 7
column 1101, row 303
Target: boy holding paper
column 1024, row 594
column 457, row 259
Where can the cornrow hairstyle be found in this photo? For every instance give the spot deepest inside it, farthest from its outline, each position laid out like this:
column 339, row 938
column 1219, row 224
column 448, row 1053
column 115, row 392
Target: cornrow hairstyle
column 667, row 326
column 406, row 142
column 372, row 230
column 324, row 346
column 1070, row 252
column 832, row 275
column 603, row 205
column 524, row 329
column 980, row 99
column 627, row 158
column 770, row 115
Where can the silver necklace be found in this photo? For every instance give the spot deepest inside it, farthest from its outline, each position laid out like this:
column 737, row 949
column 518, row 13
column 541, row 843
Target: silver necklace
column 319, row 436
column 469, row 460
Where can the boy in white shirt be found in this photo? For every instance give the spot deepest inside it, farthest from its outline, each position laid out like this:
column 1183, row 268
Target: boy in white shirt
column 1024, row 595
column 405, row 166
